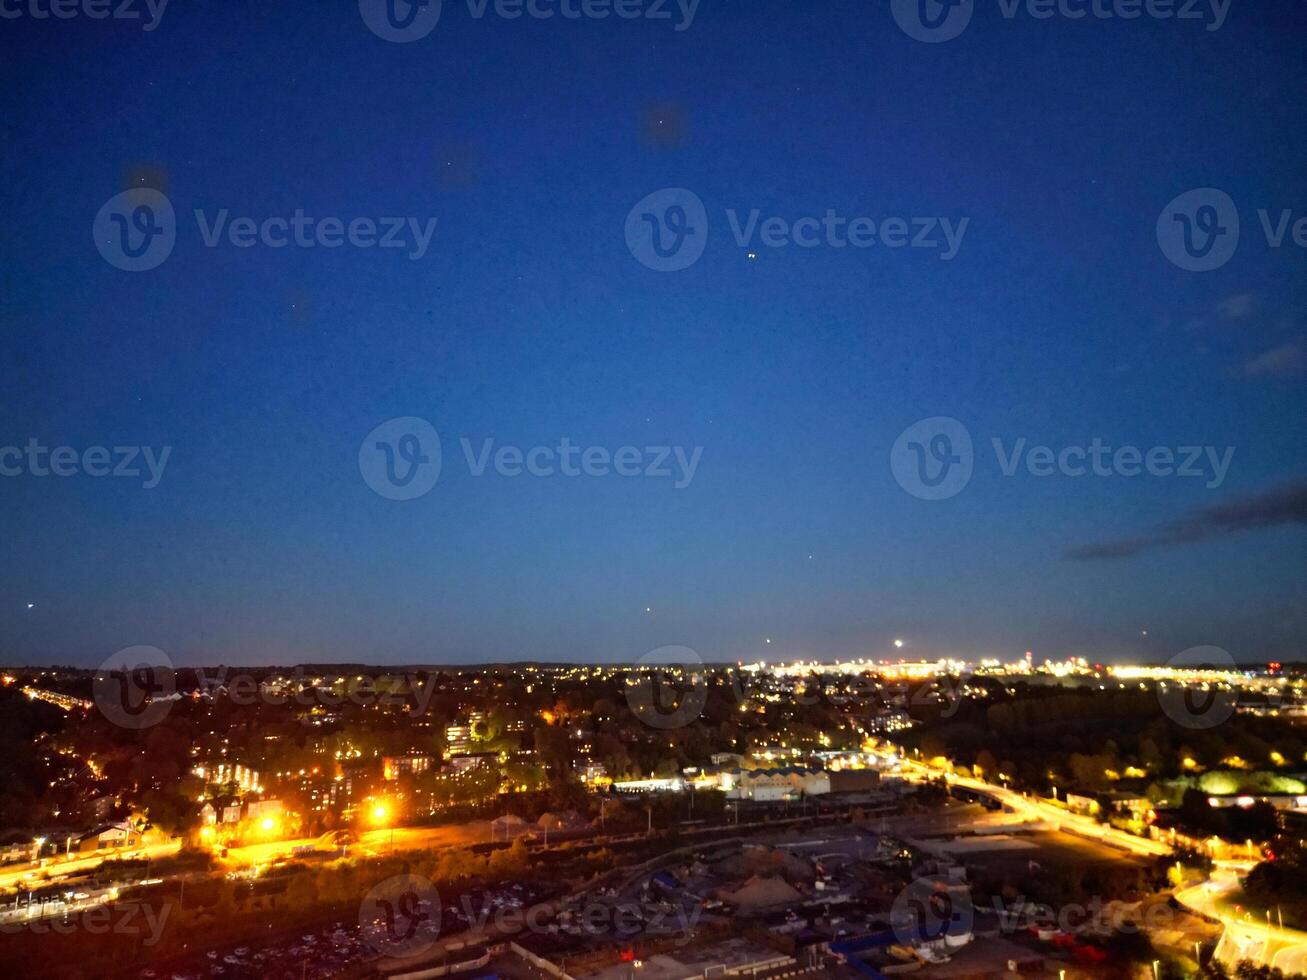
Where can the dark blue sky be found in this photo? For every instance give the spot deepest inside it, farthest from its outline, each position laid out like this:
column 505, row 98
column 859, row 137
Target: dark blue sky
column 528, row 320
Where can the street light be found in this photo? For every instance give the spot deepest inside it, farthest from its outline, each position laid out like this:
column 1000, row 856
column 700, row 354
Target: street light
column 381, row 816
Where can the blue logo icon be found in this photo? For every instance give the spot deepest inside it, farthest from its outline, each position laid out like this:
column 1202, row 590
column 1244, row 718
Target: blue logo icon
column 135, row 687
column 1199, row 230
column 927, row 911
column 1193, row 701
column 933, row 21
column 400, row 21
column 400, row 459
column 136, row 230
column 400, row 916
column 668, row 229
column 670, row 689
column 933, row 459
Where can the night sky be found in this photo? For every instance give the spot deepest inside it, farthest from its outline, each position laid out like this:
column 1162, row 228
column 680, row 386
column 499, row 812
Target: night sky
column 528, row 319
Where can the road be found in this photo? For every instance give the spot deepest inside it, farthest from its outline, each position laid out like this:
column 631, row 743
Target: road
column 27, row 875
column 1047, row 812
column 370, row 842
column 1242, row 938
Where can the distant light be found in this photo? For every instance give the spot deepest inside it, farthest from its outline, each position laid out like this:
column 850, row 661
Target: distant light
column 898, row 643
column 648, row 609
column 31, row 605
column 752, row 256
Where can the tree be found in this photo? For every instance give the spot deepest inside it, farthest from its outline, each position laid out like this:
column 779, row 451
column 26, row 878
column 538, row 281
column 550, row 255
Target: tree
column 509, row 861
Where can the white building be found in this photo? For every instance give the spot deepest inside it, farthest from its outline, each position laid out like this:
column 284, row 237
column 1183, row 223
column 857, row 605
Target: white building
column 770, row 785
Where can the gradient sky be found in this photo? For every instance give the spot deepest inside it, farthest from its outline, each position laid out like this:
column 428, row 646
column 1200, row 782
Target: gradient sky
column 529, row 320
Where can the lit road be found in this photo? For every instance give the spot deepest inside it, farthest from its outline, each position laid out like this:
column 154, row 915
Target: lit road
column 1055, row 816
column 370, row 842
column 1244, row 938
column 27, row 875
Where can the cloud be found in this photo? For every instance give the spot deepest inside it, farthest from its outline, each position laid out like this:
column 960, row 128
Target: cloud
column 1238, row 307
column 1284, row 361
column 1286, row 504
